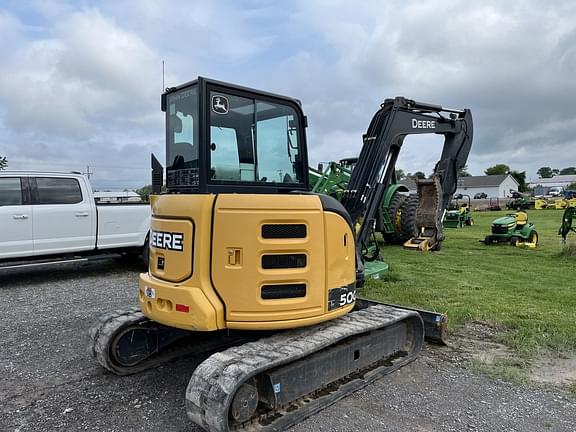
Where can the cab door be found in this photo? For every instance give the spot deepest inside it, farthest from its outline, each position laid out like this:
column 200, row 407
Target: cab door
column 15, row 218
column 63, row 216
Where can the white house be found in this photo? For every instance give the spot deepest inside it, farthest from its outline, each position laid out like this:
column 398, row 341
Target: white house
column 494, row 186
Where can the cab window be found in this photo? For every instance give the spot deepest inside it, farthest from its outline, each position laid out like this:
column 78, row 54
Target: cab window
column 253, row 140
column 10, row 191
column 52, row 190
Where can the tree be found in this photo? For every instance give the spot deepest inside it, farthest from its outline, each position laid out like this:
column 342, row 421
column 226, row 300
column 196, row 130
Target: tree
column 497, row 169
column 545, row 172
column 520, row 177
column 463, row 172
column 3, row 163
column 400, row 175
column 144, row 192
column 418, row 175
column 568, row 171
column 571, row 186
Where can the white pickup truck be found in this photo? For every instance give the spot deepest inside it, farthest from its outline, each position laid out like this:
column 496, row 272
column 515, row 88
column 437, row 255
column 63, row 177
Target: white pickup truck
column 49, row 215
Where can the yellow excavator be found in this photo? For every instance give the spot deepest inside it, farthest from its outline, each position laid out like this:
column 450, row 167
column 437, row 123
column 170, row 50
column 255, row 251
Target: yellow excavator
column 254, row 271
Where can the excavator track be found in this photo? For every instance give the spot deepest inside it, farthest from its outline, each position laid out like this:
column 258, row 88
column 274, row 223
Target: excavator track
column 125, row 342
column 275, row 382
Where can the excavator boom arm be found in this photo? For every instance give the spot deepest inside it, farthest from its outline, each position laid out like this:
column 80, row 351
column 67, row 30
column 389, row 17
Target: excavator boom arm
column 382, row 142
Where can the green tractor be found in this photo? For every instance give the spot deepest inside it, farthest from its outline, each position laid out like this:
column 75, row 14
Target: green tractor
column 459, row 215
column 397, row 217
column 513, row 229
column 519, row 201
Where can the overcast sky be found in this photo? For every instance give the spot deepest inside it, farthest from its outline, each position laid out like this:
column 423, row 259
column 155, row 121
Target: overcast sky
column 80, row 81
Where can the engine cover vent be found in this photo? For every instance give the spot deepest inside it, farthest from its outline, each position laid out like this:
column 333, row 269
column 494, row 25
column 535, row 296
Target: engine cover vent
column 283, row 261
column 277, row 231
column 283, row 291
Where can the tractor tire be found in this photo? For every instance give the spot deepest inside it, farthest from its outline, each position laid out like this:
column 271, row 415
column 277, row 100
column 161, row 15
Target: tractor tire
column 394, row 212
column 488, row 240
column 408, row 218
column 514, row 240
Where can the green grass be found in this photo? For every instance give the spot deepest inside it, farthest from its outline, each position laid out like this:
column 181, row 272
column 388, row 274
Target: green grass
column 532, row 292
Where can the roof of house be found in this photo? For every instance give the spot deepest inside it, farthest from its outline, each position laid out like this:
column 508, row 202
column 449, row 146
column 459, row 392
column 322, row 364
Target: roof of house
column 483, row 181
column 556, row 179
column 468, row 182
column 409, row 183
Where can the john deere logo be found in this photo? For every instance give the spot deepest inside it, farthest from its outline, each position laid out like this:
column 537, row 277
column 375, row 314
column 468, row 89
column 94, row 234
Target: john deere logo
column 423, row 124
column 219, row 104
column 167, row 240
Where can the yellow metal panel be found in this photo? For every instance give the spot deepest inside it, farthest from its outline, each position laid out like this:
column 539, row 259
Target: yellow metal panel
column 288, row 324
column 340, row 252
column 238, row 221
column 171, row 245
column 193, row 262
column 201, row 314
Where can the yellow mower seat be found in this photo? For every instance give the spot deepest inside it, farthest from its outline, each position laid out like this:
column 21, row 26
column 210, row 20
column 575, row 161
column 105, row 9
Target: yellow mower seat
column 521, row 218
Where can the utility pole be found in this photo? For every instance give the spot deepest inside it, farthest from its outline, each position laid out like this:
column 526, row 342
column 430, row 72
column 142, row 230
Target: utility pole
column 88, row 173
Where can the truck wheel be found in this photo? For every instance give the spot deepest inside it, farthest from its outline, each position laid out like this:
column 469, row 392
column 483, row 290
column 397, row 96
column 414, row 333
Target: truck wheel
column 488, row 240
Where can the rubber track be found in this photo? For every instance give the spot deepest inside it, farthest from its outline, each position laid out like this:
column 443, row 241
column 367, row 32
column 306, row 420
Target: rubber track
column 214, row 383
column 110, row 324
column 102, row 333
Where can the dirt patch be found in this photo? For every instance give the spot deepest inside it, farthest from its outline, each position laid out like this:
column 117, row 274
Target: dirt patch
column 477, row 341
column 555, row 370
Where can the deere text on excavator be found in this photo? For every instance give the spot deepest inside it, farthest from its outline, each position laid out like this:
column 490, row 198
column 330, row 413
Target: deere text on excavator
column 249, row 266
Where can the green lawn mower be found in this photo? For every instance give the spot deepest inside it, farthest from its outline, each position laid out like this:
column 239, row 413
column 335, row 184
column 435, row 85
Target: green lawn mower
column 459, row 215
column 513, row 229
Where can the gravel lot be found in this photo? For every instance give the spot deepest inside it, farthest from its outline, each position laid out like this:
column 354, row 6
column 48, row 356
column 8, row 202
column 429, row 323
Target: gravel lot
column 48, row 382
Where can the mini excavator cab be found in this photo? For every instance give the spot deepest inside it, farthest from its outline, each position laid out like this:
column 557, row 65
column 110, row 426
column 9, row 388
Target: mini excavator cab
column 223, row 138
column 238, row 242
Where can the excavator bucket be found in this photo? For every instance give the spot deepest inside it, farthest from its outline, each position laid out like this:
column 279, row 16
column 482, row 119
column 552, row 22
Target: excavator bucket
column 428, row 216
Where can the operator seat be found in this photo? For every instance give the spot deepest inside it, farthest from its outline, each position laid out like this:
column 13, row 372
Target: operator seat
column 521, row 218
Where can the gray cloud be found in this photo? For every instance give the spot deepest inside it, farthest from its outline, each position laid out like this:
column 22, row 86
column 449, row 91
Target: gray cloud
column 81, row 86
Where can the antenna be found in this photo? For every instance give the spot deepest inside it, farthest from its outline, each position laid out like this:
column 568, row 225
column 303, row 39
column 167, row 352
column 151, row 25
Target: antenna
column 163, row 76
